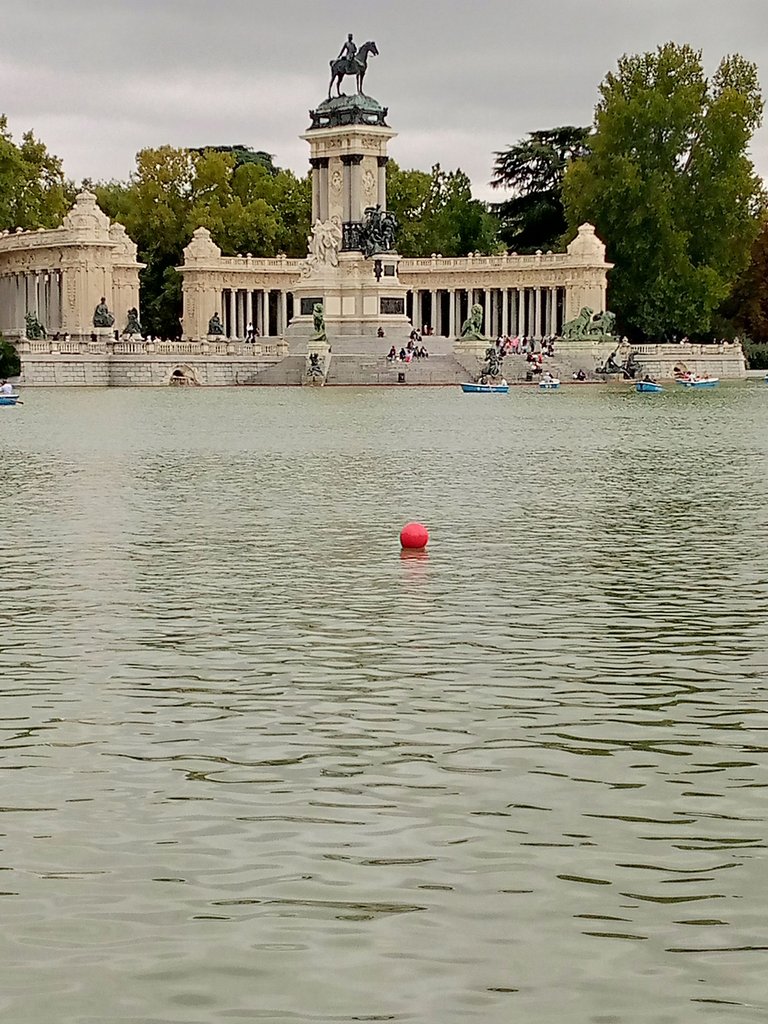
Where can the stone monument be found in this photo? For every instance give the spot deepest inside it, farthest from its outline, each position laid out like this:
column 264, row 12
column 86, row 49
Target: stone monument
column 352, row 261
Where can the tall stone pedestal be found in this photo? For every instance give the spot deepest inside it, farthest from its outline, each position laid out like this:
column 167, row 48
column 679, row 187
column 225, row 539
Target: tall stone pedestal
column 348, row 152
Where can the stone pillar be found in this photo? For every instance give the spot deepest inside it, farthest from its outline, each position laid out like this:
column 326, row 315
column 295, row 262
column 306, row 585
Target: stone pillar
column 248, row 308
column 263, row 312
column 433, row 310
column 416, row 311
column 382, row 183
column 451, row 313
column 505, row 312
column 356, row 205
column 283, row 325
column 346, row 190
column 232, row 332
column 315, row 164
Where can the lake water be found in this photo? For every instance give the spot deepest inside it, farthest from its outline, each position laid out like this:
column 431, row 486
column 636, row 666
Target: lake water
column 257, row 766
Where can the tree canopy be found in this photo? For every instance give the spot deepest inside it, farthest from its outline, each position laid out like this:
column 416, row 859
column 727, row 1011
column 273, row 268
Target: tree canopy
column 747, row 308
column 437, row 214
column 247, row 205
column 533, row 171
column 669, row 185
column 10, row 364
column 33, row 190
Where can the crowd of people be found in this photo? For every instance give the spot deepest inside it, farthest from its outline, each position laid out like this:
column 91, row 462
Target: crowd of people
column 525, row 346
column 415, row 349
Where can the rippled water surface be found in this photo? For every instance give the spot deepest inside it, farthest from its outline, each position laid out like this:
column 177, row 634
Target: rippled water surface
column 257, row 766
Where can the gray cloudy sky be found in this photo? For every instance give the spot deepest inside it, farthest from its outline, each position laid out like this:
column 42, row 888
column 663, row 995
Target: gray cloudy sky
column 99, row 79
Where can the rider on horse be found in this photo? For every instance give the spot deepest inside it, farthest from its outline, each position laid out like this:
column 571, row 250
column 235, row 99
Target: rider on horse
column 348, row 52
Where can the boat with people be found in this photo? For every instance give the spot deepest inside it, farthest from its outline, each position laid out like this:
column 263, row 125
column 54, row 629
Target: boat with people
column 648, row 386
column 485, row 389
column 10, row 399
column 693, row 380
column 549, row 383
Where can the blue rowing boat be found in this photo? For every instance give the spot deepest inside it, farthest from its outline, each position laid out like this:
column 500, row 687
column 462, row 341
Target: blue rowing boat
column 549, row 385
column 485, row 389
column 648, row 386
column 699, row 382
column 9, row 399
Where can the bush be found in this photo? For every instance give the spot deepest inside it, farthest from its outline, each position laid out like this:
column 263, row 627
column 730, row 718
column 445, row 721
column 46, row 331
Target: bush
column 10, row 364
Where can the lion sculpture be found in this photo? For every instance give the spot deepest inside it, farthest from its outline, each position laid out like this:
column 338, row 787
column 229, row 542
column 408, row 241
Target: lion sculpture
column 473, row 325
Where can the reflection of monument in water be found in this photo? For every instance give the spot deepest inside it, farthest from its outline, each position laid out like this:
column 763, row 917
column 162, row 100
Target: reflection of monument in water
column 353, row 269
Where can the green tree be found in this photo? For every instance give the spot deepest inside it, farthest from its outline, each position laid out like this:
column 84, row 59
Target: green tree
column 33, row 190
column 669, row 185
column 436, row 213
column 10, row 364
column 247, row 205
column 747, row 308
column 533, row 171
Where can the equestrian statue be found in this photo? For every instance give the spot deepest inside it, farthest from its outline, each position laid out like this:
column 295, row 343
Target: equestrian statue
column 351, row 61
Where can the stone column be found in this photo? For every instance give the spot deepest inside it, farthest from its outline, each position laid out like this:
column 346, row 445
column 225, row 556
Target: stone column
column 283, row 325
column 416, row 312
column 382, row 184
column 505, row 312
column 248, row 308
column 263, row 312
column 356, row 206
column 232, row 332
column 346, row 189
column 316, row 163
column 451, row 313
column 433, row 310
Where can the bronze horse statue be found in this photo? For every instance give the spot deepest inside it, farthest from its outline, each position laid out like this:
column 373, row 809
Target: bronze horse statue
column 341, row 67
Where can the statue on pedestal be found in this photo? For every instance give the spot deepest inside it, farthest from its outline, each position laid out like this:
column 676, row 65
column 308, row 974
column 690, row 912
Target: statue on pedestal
column 472, row 328
column 325, row 242
column 215, row 326
column 318, row 322
column 133, row 327
column 101, row 315
column 492, row 367
column 34, row 329
column 378, row 231
column 590, row 325
column 351, row 61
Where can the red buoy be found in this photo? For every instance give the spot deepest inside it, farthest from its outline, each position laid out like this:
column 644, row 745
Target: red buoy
column 414, row 536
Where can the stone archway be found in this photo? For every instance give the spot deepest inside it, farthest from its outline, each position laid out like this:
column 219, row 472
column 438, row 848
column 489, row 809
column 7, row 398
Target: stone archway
column 183, row 376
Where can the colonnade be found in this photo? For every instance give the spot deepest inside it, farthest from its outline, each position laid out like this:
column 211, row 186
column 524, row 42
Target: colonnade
column 268, row 311
column 534, row 312
column 37, row 292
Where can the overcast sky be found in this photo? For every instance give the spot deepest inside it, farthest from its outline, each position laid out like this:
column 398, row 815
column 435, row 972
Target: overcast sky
column 98, row 80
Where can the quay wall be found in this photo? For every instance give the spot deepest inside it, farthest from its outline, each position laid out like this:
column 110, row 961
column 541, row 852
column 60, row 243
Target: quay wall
column 139, row 364
column 133, row 371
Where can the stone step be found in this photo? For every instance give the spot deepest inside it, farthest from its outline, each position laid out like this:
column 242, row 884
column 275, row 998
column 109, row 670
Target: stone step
column 348, row 369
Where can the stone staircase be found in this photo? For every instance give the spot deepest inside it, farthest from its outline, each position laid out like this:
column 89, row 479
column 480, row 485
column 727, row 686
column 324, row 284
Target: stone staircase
column 288, row 371
column 372, row 369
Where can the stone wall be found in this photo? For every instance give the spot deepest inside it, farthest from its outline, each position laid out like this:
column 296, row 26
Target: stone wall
column 139, row 371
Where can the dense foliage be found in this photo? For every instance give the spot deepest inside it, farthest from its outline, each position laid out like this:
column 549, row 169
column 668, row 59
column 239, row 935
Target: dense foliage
column 437, row 214
column 33, row 190
column 533, row 171
column 747, row 307
column 248, row 205
column 670, row 187
column 10, row 364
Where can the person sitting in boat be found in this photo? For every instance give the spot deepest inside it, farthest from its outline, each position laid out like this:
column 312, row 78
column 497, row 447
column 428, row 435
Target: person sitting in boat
column 547, row 378
column 6, row 388
column 648, row 380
